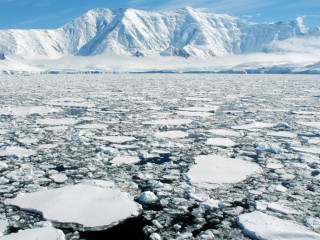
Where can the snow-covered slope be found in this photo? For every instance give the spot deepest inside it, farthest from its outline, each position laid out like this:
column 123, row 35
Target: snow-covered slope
column 182, row 32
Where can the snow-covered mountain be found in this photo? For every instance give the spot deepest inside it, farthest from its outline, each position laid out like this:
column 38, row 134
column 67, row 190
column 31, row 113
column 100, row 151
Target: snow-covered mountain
column 185, row 32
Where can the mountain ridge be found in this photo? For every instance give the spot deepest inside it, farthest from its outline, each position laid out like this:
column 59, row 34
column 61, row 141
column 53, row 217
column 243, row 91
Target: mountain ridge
column 185, row 32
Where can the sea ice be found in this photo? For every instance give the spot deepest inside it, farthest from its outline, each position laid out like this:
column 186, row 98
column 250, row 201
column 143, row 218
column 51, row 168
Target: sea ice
column 148, row 197
column 310, row 124
column 125, row 159
column 215, row 169
column 254, row 125
column 78, row 203
column 220, row 142
column 59, row 177
column 265, row 227
column 267, row 147
column 168, row 122
column 171, row 134
column 315, row 150
column 47, row 233
column 57, row 121
column 225, row 132
column 116, row 139
column 22, row 111
column 18, row 152
column 275, row 207
column 284, row 134
column 3, row 226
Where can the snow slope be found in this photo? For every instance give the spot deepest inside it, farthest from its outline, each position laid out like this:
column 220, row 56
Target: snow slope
column 182, row 32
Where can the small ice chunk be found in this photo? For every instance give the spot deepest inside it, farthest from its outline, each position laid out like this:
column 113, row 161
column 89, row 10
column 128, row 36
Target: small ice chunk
column 220, row 142
column 47, row 233
column 259, row 225
column 206, row 235
column 3, row 226
column 313, row 222
column 281, row 188
column 125, row 159
column 267, row 147
column 210, row 204
column 3, row 166
column 148, row 197
column 171, row 134
column 155, row 236
column 211, row 169
column 18, row 152
column 59, row 177
column 66, row 205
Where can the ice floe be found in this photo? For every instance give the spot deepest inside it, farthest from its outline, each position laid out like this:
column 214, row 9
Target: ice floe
column 254, row 125
column 57, row 121
column 225, row 132
column 215, row 169
column 310, row 124
column 24, row 111
column 259, row 225
column 168, row 122
column 148, row 197
column 220, row 142
column 78, row 203
column 18, row 152
column 125, row 159
column 116, row 139
column 171, row 134
column 3, row 226
column 47, row 233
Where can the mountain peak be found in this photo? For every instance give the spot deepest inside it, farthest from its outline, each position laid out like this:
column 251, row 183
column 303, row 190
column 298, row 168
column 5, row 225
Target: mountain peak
column 126, row 31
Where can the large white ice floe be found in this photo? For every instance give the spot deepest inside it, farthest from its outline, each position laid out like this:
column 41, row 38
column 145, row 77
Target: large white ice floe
column 168, row 122
column 284, row 134
column 24, row 111
column 254, row 125
column 265, row 227
column 214, row 169
column 310, row 124
column 225, row 132
column 71, row 102
column 47, row 233
column 314, row 150
column 57, row 121
column 15, row 151
column 116, row 139
column 171, row 134
column 220, row 142
column 85, row 204
column 125, row 159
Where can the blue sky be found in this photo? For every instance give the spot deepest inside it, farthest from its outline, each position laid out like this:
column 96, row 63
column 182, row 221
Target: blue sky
column 24, row 14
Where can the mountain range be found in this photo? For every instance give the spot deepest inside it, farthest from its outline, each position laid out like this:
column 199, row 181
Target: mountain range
column 184, row 32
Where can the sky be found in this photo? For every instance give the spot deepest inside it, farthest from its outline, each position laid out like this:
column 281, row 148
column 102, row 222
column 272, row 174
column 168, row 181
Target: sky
column 51, row 14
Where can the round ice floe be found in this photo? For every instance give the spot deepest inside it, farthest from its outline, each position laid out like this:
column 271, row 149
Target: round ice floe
column 116, row 139
column 85, row 204
column 220, row 142
column 13, row 151
column 59, row 177
column 125, row 159
column 168, row 122
column 148, row 197
column 212, row 169
column 57, row 121
column 171, row 134
column 225, row 132
column 47, row 233
column 262, row 226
